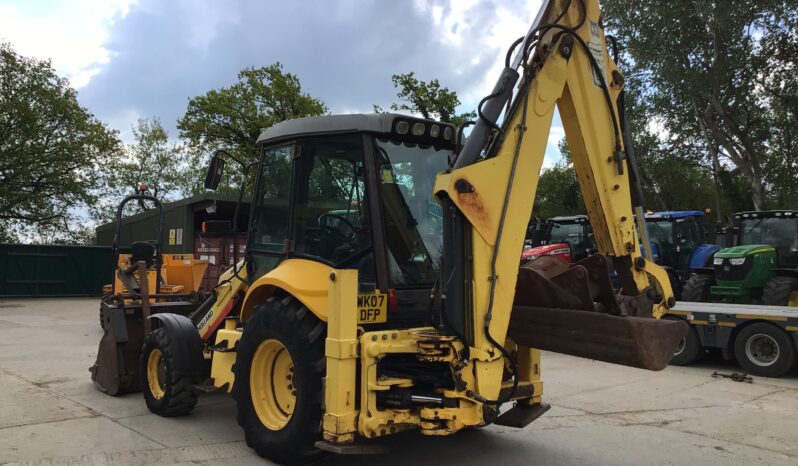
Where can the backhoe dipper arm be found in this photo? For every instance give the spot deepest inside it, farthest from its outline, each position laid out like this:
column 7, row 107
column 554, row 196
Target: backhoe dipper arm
column 491, row 188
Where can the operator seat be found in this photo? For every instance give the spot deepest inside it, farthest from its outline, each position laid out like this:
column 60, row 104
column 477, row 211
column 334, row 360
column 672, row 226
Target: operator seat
column 140, row 251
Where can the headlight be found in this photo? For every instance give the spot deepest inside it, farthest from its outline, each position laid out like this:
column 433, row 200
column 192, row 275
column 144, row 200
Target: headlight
column 717, row 261
column 737, row 261
column 402, row 127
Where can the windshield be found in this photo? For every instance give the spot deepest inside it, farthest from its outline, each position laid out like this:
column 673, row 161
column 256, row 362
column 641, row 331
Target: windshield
column 660, row 231
column 779, row 232
column 413, row 219
column 571, row 233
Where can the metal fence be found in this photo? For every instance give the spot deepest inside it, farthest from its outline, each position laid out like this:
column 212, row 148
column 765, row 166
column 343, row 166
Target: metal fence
column 30, row 270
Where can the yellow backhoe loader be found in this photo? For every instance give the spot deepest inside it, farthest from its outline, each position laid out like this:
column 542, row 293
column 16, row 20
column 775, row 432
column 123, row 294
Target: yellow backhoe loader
column 381, row 292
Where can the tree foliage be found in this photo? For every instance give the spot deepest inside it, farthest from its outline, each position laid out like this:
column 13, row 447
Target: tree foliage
column 151, row 159
column 427, row 98
column 558, row 192
column 52, row 150
column 231, row 118
column 714, row 72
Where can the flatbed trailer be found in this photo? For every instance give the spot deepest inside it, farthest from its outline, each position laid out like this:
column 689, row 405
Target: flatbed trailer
column 763, row 339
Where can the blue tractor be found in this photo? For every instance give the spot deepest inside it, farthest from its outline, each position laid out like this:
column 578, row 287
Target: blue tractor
column 678, row 243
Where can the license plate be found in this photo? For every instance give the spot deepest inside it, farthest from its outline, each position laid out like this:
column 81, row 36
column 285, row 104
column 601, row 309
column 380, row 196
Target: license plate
column 372, row 308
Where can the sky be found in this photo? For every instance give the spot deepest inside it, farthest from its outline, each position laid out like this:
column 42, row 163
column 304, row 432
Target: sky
column 132, row 59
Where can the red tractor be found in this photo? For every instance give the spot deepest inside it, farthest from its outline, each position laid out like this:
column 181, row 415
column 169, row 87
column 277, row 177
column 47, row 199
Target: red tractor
column 569, row 239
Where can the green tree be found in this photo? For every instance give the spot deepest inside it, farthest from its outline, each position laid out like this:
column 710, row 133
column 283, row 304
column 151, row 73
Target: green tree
column 427, row 98
column 151, row 159
column 558, row 192
column 52, row 150
column 707, row 70
column 231, row 118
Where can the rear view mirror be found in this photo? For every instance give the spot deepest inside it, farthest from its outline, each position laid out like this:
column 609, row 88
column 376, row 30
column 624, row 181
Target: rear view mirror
column 215, row 170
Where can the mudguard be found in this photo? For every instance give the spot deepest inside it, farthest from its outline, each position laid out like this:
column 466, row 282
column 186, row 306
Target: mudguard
column 702, row 255
column 187, row 354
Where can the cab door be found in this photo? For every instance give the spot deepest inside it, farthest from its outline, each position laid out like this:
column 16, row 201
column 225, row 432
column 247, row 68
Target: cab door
column 270, row 218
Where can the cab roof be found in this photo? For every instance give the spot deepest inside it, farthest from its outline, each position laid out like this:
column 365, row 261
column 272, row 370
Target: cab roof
column 569, row 219
column 380, row 123
column 766, row 214
column 674, row 214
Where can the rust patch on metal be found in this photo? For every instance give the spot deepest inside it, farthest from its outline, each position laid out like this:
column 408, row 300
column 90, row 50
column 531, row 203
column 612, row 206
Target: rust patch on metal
column 472, row 205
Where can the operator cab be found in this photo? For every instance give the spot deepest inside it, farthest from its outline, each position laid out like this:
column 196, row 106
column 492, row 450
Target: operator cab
column 575, row 231
column 777, row 228
column 354, row 191
column 674, row 236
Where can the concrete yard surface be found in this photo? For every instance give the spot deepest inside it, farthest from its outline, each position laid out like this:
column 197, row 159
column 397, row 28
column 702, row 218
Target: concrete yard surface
column 602, row 414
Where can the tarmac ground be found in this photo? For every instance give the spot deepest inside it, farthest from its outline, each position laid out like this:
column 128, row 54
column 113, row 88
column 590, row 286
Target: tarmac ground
column 50, row 412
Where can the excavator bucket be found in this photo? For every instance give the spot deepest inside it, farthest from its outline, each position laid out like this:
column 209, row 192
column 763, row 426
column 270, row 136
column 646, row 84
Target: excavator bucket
column 573, row 310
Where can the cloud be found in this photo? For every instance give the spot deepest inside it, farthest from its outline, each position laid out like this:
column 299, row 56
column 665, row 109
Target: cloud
column 163, row 53
column 71, row 33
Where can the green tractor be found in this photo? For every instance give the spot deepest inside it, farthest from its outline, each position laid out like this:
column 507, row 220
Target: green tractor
column 760, row 268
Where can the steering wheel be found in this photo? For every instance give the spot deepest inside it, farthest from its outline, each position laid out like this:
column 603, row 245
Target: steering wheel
column 322, row 222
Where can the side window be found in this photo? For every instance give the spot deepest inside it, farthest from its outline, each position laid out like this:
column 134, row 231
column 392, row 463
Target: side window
column 270, row 223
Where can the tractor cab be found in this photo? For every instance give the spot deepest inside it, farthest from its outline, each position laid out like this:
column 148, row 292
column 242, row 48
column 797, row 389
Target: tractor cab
column 677, row 240
column 777, row 229
column 568, row 238
column 353, row 192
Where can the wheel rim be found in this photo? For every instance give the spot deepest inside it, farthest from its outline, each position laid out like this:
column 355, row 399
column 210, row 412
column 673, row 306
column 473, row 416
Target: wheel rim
column 793, row 299
column 762, row 350
column 680, row 347
column 156, row 373
column 271, row 384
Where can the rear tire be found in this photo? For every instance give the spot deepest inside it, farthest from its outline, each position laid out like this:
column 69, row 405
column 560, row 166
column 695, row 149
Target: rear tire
column 765, row 350
column 689, row 349
column 165, row 393
column 780, row 291
column 697, row 288
column 281, row 425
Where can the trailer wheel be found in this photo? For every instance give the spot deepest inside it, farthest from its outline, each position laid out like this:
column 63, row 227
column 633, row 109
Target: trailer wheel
column 689, row 349
column 781, row 291
column 278, row 385
column 698, row 288
column 165, row 393
column 765, row 350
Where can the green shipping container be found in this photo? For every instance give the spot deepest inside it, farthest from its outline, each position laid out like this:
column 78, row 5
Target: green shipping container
column 31, row 270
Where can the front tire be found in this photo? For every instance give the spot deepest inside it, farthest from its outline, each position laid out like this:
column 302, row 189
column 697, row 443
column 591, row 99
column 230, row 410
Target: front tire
column 165, row 393
column 765, row 350
column 278, row 385
column 781, row 291
column 697, row 288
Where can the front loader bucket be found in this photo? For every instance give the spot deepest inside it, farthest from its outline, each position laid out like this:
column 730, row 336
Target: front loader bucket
column 116, row 367
column 641, row 342
column 574, row 310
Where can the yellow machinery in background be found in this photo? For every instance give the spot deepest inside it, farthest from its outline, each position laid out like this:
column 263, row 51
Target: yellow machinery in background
column 381, row 292
column 179, row 272
column 145, row 282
